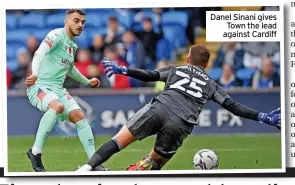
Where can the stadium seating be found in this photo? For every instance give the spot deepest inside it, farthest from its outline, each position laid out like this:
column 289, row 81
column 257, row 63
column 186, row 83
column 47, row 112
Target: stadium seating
column 10, row 52
column 174, row 23
column 93, row 20
column 39, row 24
column 98, row 10
column 163, row 50
column 138, row 26
column 18, row 36
column 15, row 46
column 62, row 11
column 32, row 20
column 215, row 73
column 126, row 20
column 104, row 17
column 175, row 18
column 175, row 35
column 40, row 34
column 11, row 22
column 83, row 41
column 149, row 14
column 12, row 65
column 93, row 32
column 243, row 8
column 55, row 21
column 245, row 75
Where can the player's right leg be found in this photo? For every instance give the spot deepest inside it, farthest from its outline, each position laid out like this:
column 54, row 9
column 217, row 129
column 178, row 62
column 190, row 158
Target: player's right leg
column 46, row 101
column 144, row 123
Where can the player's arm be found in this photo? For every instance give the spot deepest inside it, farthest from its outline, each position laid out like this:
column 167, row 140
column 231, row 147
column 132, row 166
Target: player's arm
column 75, row 74
column 38, row 58
column 238, row 109
column 49, row 43
column 140, row 74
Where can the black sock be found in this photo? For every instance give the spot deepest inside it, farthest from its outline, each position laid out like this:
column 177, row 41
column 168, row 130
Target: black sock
column 104, row 153
column 156, row 165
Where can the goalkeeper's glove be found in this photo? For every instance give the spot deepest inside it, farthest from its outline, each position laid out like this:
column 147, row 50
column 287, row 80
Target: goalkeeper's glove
column 113, row 68
column 277, row 111
column 270, row 119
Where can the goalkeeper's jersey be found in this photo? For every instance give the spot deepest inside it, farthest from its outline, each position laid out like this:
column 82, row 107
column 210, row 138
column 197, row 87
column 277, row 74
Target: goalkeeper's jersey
column 59, row 60
column 187, row 90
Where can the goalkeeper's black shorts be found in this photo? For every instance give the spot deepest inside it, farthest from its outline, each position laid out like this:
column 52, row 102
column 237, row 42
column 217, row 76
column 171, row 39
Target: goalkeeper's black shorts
column 156, row 119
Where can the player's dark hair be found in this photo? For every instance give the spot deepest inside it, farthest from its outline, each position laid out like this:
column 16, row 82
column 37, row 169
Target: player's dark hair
column 199, row 55
column 75, row 10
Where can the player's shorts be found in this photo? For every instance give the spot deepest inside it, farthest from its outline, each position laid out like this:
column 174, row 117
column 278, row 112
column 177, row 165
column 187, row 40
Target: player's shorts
column 156, row 118
column 41, row 95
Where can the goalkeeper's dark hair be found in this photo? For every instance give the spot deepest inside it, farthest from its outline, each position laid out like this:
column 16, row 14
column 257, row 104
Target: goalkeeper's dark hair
column 75, row 10
column 199, row 55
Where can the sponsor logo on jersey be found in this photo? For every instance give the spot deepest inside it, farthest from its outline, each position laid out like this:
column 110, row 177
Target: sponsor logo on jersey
column 65, row 62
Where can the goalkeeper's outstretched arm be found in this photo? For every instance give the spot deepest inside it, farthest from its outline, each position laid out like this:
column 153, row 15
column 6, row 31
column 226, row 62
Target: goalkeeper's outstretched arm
column 139, row 74
column 238, row 109
column 145, row 75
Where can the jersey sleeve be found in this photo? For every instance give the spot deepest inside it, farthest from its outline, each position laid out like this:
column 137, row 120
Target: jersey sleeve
column 53, row 38
column 38, row 58
column 219, row 94
column 164, row 73
column 75, row 74
column 238, row 109
column 148, row 75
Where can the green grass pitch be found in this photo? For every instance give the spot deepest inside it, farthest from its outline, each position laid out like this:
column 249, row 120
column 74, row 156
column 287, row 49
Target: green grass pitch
column 235, row 152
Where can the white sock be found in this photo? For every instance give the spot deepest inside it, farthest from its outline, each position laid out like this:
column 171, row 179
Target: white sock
column 84, row 168
column 36, row 150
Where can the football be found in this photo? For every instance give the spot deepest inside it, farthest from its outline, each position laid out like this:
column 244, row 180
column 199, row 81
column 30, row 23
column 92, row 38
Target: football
column 206, row 159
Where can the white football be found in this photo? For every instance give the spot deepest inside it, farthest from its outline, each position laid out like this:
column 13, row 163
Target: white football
column 206, row 159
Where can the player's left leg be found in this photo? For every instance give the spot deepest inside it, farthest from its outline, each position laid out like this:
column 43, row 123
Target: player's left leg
column 85, row 134
column 74, row 114
column 84, row 131
column 143, row 123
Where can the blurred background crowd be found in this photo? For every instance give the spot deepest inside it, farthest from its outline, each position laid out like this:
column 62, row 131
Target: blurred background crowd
column 148, row 38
